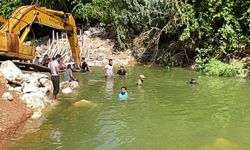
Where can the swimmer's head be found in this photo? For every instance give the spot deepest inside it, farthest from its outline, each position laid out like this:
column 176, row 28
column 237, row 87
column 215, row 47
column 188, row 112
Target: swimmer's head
column 123, row 89
column 122, row 67
column 142, row 77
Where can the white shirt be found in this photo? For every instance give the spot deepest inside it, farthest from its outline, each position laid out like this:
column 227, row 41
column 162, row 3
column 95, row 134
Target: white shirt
column 109, row 70
column 53, row 66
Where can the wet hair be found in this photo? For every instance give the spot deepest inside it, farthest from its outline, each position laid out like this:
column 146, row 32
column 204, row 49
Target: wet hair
column 124, row 87
column 58, row 56
column 69, row 66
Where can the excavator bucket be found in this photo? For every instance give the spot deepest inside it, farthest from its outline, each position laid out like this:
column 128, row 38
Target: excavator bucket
column 11, row 47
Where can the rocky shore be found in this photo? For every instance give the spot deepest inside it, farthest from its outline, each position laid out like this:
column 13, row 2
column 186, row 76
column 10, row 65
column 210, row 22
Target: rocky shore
column 22, row 96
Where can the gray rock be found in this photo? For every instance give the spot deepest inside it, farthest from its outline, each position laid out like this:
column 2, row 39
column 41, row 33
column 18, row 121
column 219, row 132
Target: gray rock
column 10, row 71
column 67, row 90
column 36, row 115
column 34, row 100
column 18, row 89
column 29, row 88
column 72, row 85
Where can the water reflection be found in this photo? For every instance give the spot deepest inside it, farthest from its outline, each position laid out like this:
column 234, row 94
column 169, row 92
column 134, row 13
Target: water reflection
column 109, row 88
column 56, row 135
column 114, row 129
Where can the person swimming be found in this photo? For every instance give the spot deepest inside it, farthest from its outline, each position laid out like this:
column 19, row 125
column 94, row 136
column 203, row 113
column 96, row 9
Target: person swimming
column 140, row 80
column 192, row 81
column 123, row 95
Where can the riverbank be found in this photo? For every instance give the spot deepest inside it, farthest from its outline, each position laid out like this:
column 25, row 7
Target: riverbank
column 22, row 96
column 13, row 111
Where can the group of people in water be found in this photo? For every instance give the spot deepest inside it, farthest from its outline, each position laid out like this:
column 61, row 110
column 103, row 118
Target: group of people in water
column 109, row 73
column 57, row 66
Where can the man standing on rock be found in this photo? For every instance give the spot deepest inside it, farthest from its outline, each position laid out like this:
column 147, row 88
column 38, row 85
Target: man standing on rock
column 55, row 78
column 108, row 69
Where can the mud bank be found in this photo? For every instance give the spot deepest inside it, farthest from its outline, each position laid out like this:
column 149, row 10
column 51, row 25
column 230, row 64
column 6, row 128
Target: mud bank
column 13, row 112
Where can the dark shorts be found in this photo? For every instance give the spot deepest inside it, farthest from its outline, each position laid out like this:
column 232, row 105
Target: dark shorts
column 56, row 81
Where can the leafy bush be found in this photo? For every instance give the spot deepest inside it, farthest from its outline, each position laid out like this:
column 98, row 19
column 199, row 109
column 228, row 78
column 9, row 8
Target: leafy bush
column 217, row 68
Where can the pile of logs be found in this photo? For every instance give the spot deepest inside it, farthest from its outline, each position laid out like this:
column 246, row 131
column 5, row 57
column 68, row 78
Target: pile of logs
column 60, row 45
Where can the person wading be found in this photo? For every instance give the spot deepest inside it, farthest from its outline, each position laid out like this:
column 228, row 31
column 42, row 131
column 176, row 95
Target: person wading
column 68, row 75
column 55, row 77
column 122, row 71
column 108, row 69
column 85, row 66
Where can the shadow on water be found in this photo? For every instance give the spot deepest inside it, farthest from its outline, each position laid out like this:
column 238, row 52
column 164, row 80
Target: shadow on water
column 164, row 113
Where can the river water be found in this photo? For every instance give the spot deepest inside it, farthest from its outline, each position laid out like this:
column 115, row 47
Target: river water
column 164, row 114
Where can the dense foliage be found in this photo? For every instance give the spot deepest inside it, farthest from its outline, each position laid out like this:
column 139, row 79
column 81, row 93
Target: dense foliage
column 174, row 32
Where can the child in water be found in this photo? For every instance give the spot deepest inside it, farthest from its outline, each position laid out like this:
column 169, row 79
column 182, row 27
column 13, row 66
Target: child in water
column 123, row 95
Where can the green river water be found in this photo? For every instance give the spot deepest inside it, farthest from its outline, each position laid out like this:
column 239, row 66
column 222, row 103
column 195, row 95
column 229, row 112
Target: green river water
column 164, row 114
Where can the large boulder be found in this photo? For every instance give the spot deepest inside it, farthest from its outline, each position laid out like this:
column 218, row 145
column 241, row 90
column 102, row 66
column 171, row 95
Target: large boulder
column 34, row 78
column 68, row 87
column 84, row 103
column 36, row 115
column 29, row 88
column 10, row 71
column 46, row 82
column 18, row 89
column 37, row 82
column 67, row 90
column 35, row 100
column 45, row 90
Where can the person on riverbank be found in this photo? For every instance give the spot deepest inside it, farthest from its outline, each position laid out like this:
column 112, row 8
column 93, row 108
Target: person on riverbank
column 45, row 61
column 55, row 77
column 108, row 69
column 36, row 61
column 122, row 71
column 140, row 80
column 85, row 67
column 68, row 74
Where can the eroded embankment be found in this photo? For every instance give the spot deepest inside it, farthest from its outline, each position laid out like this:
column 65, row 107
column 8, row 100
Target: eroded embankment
column 13, row 111
column 21, row 97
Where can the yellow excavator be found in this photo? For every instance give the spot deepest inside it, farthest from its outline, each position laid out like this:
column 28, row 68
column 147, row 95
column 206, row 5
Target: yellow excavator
column 2, row 20
column 15, row 30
